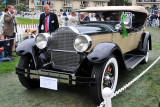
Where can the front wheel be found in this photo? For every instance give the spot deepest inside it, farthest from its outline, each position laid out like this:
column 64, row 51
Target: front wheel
column 106, row 75
column 27, row 62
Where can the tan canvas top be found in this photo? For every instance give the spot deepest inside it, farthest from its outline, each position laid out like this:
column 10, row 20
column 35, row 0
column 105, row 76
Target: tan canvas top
column 115, row 8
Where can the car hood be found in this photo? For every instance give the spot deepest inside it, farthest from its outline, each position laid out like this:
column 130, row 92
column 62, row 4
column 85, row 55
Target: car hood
column 94, row 28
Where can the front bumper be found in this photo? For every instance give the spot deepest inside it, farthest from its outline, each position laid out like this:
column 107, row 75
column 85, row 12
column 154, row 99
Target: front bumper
column 63, row 77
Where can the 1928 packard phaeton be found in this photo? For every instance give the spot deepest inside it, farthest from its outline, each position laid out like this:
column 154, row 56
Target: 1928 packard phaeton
column 107, row 40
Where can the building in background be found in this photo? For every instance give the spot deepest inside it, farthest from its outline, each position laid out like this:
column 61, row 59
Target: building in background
column 67, row 5
column 150, row 5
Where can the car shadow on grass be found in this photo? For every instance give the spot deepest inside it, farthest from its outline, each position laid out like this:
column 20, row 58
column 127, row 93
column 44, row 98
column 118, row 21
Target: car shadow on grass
column 65, row 96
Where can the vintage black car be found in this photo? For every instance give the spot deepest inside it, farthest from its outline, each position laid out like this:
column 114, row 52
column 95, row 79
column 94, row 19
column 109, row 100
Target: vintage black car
column 107, row 41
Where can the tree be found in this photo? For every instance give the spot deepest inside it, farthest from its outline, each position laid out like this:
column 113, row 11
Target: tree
column 119, row 3
column 13, row 2
column 20, row 7
column 2, row 7
column 127, row 3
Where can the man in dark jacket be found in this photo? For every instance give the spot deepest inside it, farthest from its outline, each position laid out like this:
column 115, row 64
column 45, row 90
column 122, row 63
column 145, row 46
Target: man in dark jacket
column 154, row 16
column 48, row 21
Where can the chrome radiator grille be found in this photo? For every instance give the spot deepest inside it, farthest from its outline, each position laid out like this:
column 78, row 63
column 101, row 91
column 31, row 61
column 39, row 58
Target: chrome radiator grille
column 63, row 53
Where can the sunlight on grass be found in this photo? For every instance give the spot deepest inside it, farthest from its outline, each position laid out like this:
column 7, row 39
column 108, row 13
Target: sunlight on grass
column 27, row 21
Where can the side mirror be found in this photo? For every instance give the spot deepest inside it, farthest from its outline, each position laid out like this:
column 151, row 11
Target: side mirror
column 126, row 21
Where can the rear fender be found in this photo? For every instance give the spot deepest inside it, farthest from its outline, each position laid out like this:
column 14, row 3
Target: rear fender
column 144, row 40
column 147, row 37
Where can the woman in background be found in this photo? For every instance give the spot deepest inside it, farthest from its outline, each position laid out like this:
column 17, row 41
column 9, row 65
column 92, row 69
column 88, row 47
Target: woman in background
column 2, row 22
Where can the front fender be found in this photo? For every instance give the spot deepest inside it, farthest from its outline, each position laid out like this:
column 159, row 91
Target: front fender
column 102, row 52
column 27, row 47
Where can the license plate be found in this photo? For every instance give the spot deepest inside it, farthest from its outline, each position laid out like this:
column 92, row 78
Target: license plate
column 49, row 83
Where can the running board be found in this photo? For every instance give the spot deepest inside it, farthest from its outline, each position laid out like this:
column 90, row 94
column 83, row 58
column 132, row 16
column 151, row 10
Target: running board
column 134, row 61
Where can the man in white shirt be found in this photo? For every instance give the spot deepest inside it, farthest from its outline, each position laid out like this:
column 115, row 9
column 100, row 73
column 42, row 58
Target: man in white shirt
column 72, row 19
column 2, row 22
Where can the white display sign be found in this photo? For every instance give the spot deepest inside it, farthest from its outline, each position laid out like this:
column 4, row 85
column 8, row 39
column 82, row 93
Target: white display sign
column 49, row 83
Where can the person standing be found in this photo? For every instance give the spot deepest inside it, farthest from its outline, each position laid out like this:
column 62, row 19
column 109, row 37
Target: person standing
column 149, row 20
column 72, row 19
column 2, row 22
column 48, row 2
column 10, row 27
column 48, row 21
column 159, row 20
column 59, row 19
column 154, row 16
column 64, row 19
column 43, row 2
column 86, row 18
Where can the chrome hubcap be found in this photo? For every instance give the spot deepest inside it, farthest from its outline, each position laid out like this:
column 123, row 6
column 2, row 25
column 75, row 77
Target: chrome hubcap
column 108, row 80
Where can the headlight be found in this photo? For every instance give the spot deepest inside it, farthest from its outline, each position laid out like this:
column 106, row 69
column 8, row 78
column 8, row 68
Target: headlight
column 41, row 40
column 82, row 43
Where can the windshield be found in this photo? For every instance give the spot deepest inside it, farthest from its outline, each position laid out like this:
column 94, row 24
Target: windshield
column 99, row 16
column 110, row 18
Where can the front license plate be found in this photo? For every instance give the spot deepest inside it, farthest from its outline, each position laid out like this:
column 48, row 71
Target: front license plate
column 49, row 83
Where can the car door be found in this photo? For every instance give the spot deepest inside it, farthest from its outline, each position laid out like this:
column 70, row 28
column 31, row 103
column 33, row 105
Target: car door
column 128, row 43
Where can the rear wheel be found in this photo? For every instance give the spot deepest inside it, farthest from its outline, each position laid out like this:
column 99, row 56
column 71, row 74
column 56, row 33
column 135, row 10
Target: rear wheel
column 106, row 75
column 27, row 62
column 147, row 54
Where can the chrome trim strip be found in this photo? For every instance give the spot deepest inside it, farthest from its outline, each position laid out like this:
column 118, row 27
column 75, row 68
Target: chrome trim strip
column 63, row 50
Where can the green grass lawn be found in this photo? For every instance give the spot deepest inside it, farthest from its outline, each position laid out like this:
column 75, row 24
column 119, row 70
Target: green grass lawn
column 27, row 21
column 9, row 66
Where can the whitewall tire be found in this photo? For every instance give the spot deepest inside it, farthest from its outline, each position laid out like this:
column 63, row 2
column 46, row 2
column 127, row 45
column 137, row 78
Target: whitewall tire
column 147, row 54
column 106, row 75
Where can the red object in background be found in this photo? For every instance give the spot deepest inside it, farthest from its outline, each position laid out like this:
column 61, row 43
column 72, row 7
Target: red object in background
column 46, row 25
column 0, row 50
column 82, row 16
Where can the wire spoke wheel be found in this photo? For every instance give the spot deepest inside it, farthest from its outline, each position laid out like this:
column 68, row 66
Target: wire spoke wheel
column 109, row 76
column 106, row 75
